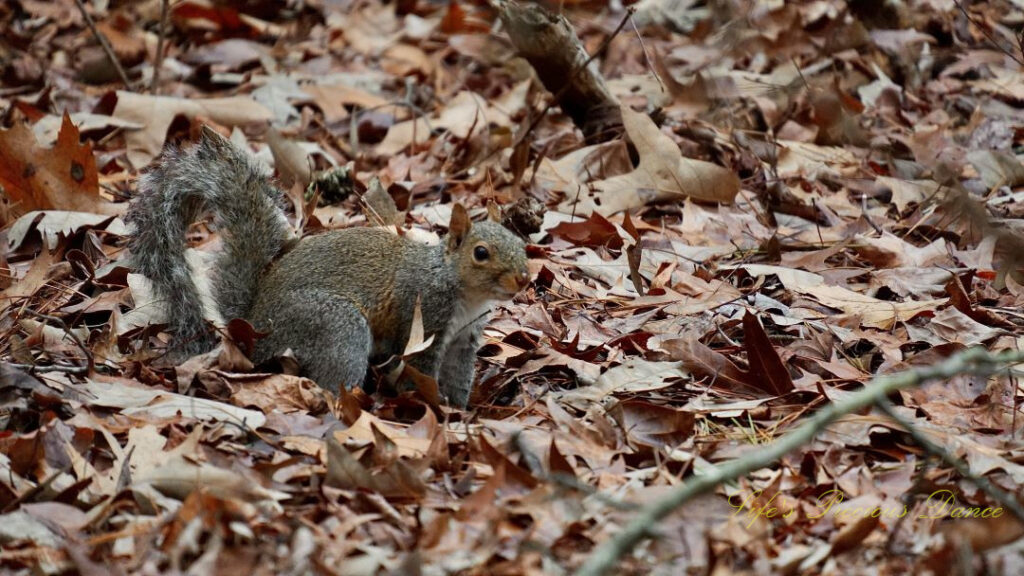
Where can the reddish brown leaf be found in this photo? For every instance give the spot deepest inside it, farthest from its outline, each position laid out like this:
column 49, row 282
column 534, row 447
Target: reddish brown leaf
column 61, row 178
column 653, row 425
column 959, row 299
column 596, row 230
column 706, row 363
column 766, row 368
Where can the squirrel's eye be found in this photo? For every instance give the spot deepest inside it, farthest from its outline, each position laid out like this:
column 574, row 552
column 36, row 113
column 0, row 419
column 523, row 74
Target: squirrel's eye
column 481, row 253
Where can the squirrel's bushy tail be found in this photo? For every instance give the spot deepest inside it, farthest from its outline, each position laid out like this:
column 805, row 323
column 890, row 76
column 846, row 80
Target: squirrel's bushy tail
column 212, row 174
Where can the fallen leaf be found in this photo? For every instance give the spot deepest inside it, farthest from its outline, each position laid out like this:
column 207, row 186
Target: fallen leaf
column 64, row 178
column 662, row 174
column 133, row 399
column 766, row 368
column 52, row 225
column 635, row 375
column 653, row 425
column 333, row 99
column 157, row 112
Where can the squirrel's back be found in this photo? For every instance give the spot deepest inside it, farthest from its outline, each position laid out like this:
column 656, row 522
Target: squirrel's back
column 379, row 271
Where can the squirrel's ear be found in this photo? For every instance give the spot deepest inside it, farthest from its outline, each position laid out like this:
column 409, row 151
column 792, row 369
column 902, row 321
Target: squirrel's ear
column 493, row 212
column 458, row 226
column 210, row 137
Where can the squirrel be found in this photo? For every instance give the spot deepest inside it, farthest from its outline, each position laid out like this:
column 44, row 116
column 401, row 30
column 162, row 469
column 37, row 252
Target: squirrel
column 339, row 300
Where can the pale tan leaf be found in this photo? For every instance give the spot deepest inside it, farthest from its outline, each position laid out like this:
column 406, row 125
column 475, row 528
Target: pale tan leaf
column 157, row 112
column 636, row 375
column 663, row 174
column 417, row 342
column 292, row 162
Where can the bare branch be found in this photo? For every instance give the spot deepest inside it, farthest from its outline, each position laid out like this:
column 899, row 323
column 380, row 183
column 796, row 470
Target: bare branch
column 1008, row 501
column 104, row 44
column 972, row 361
column 158, row 63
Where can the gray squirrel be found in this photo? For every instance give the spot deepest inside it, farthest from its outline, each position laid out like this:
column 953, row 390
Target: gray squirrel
column 339, row 300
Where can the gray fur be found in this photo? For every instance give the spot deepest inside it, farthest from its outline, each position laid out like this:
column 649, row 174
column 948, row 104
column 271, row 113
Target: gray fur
column 338, row 300
column 334, row 269
column 330, row 339
column 213, row 174
column 455, row 371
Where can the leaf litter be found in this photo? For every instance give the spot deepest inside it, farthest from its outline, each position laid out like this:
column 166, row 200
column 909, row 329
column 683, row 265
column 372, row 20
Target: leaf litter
column 805, row 194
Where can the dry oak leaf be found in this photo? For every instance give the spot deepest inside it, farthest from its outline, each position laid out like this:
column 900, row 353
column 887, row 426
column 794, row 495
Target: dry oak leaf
column 394, row 479
column 204, row 15
column 280, row 393
column 1007, row 83
column 768, row 371
column 362, row 432
column 333, row 99
column 873, row 312
column 54, row 224
column 801, row 159
column 61, row 178
column 134, row 399
column 663, row 174
column 466, row 114
column 157, row 112
column 635, row 375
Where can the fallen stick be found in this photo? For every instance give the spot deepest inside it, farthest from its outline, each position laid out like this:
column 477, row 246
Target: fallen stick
column 973, row 361
column 548, row 42
column 104, row 44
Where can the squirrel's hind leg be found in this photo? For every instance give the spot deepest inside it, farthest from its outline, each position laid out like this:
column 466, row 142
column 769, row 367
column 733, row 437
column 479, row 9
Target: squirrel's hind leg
column 329, row 336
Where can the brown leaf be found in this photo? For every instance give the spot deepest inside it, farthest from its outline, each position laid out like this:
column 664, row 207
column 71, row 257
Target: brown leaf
column 157, row 113
column 766, row 368
column 517, row 478
column 653, row 425
column 292, row 163
column 30, row 283
column 596, row 230
column 380, row 207
column 457, row 21
column 961, row 301
column 663, row 174
column 705, row 362
column 851, row 535
column 393, row 480
column 634, row 255
column 281, row 393
column 62, row 178
column 344, row 470
column 334, row 100
column 983, row 534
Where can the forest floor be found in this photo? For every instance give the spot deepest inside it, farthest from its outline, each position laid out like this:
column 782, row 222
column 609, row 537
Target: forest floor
column 793, row 198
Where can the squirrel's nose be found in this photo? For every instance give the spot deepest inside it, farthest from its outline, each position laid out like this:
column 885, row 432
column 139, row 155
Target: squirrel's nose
column 523, row 279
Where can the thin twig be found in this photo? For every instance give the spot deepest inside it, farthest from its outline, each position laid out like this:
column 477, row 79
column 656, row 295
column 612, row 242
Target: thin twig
column 103, row 42
column 647, row 57
column 62, row 368
column 159, row 60
column 991, row 40
column 973, row 361
column 867, row 217
column 34, row 491
column 90, row 363
column 959, row 465
column 571, row 482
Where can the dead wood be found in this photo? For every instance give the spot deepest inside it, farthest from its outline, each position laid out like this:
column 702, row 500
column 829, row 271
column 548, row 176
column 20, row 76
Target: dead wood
column 548, row 42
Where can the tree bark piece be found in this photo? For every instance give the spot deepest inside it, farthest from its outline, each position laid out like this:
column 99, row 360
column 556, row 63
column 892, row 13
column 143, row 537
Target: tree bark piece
column 548, row 42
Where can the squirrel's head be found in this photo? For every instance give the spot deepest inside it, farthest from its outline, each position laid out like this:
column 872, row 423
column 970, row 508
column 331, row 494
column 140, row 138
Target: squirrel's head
column 491, row 260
